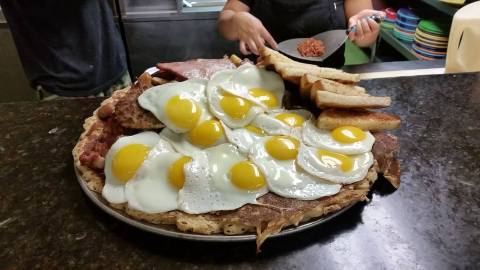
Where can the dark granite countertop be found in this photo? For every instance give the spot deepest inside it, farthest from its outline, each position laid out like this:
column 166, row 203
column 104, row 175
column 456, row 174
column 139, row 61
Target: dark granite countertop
column 431, row 222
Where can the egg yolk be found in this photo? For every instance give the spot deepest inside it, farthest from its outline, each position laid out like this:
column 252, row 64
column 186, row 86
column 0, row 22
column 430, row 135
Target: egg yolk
column 127, row 160
column 183, row 112
column 206, row 133
column 255, row 130
column 176, row 175
column 333, row 160
column 265, row 96
column 235, row 107
column 291, row 119
column 245, row 175
column 348, row 134
column 282, row 147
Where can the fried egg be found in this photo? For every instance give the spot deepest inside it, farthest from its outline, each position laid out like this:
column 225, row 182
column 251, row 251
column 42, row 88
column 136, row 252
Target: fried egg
column 228, row 105
column 244, row 137
column 220, row 178
column 206, row 134
column 257, row 84
column 334, row 167
column 122, row 161
column 276, row 157
column 283, row 122
column 155, row 187
column 347, row 140
column 178, row 105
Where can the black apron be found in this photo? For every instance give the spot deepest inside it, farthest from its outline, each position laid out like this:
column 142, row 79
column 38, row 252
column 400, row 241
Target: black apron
column 287, row 19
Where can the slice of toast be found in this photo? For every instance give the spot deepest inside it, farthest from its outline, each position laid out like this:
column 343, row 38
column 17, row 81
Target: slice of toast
column 310, row 84
column 325, row 99
column 339, row 88
column 292, row 70
column 363, row 119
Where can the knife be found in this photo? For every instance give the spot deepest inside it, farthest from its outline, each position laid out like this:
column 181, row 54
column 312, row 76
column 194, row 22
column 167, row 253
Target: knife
column 332, row 40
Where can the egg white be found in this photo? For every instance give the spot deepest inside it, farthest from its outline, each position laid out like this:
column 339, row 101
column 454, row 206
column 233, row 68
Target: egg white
column 322, row 138
column 150, row 191
column 309, row 160
column 249, row 76
column 181, row 143
column 242, row 138
column 207, row 184
column 273, row 126
column 155, row 99
column 114, row 190
column 214, row 95
column 285, row 178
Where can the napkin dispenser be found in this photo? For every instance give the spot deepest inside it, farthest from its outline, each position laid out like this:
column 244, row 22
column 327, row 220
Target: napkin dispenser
column 464, row 41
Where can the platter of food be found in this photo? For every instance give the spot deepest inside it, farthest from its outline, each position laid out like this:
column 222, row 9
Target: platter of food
column 217, row 150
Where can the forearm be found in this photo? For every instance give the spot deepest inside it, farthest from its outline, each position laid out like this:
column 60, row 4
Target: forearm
column 353, row 7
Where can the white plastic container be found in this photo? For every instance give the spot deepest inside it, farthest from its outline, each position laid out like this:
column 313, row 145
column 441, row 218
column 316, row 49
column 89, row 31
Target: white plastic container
column 463, row 53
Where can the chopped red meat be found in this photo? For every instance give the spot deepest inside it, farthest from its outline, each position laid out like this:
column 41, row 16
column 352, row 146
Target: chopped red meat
column 311, row 47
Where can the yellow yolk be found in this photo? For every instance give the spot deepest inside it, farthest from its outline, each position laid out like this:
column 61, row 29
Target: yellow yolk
column 265, row 96
column 282, row 147
column 348, row 134
column 245, row 175
column 333, row 160
column 235, row 107
column 183, row 112
column 127, row 160
column 255, row 130
column 176, row 175
column 206, row 134
column 291, row 119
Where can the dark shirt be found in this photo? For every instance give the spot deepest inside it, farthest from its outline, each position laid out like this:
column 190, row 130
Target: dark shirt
column 287, row 19
column 70, row 48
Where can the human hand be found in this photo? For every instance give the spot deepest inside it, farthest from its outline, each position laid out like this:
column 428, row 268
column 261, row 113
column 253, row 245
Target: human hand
column 366, row 28
column 251, row 33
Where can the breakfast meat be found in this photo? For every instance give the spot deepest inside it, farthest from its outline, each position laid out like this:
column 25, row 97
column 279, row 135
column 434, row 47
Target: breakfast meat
column 127, row 111
column 196, row 69
column 311, row 47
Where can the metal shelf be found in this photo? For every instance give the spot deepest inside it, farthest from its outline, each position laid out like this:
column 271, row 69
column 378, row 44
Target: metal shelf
column 397, row 45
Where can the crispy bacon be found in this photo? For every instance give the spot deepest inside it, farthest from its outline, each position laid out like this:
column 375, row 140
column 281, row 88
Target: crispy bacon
column 100, row 138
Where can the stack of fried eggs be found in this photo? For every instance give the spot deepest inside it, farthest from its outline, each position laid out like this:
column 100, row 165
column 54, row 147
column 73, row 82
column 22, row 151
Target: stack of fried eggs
column 228, row 141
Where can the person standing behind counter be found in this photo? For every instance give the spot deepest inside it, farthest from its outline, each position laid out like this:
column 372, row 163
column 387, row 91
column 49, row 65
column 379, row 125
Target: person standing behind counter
column 256, row 22
column 68, row 48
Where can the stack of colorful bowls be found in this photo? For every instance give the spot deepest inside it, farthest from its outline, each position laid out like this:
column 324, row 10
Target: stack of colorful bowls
column 431, row 40
column 405, row 25
column 389, row 22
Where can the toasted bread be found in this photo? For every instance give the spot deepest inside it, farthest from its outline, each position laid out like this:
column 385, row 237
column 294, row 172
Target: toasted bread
column 363, row 119
column 339, row 88
column 292, row 70
column 325, row 99
column 310, row 84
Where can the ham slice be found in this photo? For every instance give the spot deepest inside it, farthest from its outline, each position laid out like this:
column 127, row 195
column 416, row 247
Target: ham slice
column 196, row 69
